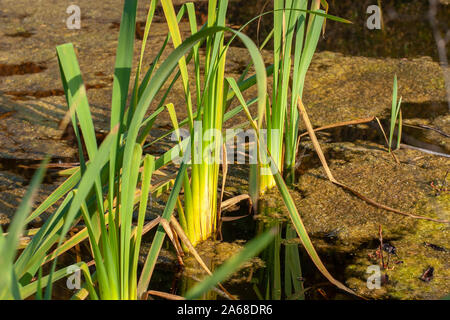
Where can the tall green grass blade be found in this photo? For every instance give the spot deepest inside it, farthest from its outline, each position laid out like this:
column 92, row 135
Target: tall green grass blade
column 126, row 216
column 393, row 112
column 150, row 15
column 160, row 233
column 78, row 102
column 124, row 61
column 176, row 39
column 76, row 95
column 122, row 73
column 149, row 167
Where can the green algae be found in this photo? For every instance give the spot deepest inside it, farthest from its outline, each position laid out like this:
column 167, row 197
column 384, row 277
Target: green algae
column 404, row 279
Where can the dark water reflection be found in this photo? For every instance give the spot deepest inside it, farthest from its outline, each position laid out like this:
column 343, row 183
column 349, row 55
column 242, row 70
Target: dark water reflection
column 406, row 29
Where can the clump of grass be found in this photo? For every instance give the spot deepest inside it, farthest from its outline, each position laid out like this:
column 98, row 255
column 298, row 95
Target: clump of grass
column 115, row 249
column 296, row 33
column 111, row 181
column 207, row 114
column 115, row 178
column 396, row 115
column 282, row 130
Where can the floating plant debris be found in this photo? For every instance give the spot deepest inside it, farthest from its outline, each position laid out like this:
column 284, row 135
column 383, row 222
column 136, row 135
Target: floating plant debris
column 21, row 69
column 27, row 94
column 20, row 34
column 389, row 248
column 140, row 28
column 427, row 274
column 434, row 247
column 5, row 115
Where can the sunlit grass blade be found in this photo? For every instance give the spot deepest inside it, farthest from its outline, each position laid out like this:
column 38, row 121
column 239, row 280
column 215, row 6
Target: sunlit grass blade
column 149, row 167
column 79, row 107
column 126, row 215
column 148, row 23
column 76, row 95
column 395, row 114
column 122, row 73
column 56, row 195
column 124, row 60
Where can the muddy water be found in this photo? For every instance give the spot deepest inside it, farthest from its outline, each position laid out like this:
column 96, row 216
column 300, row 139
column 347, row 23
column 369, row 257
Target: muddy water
column 406, row 31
